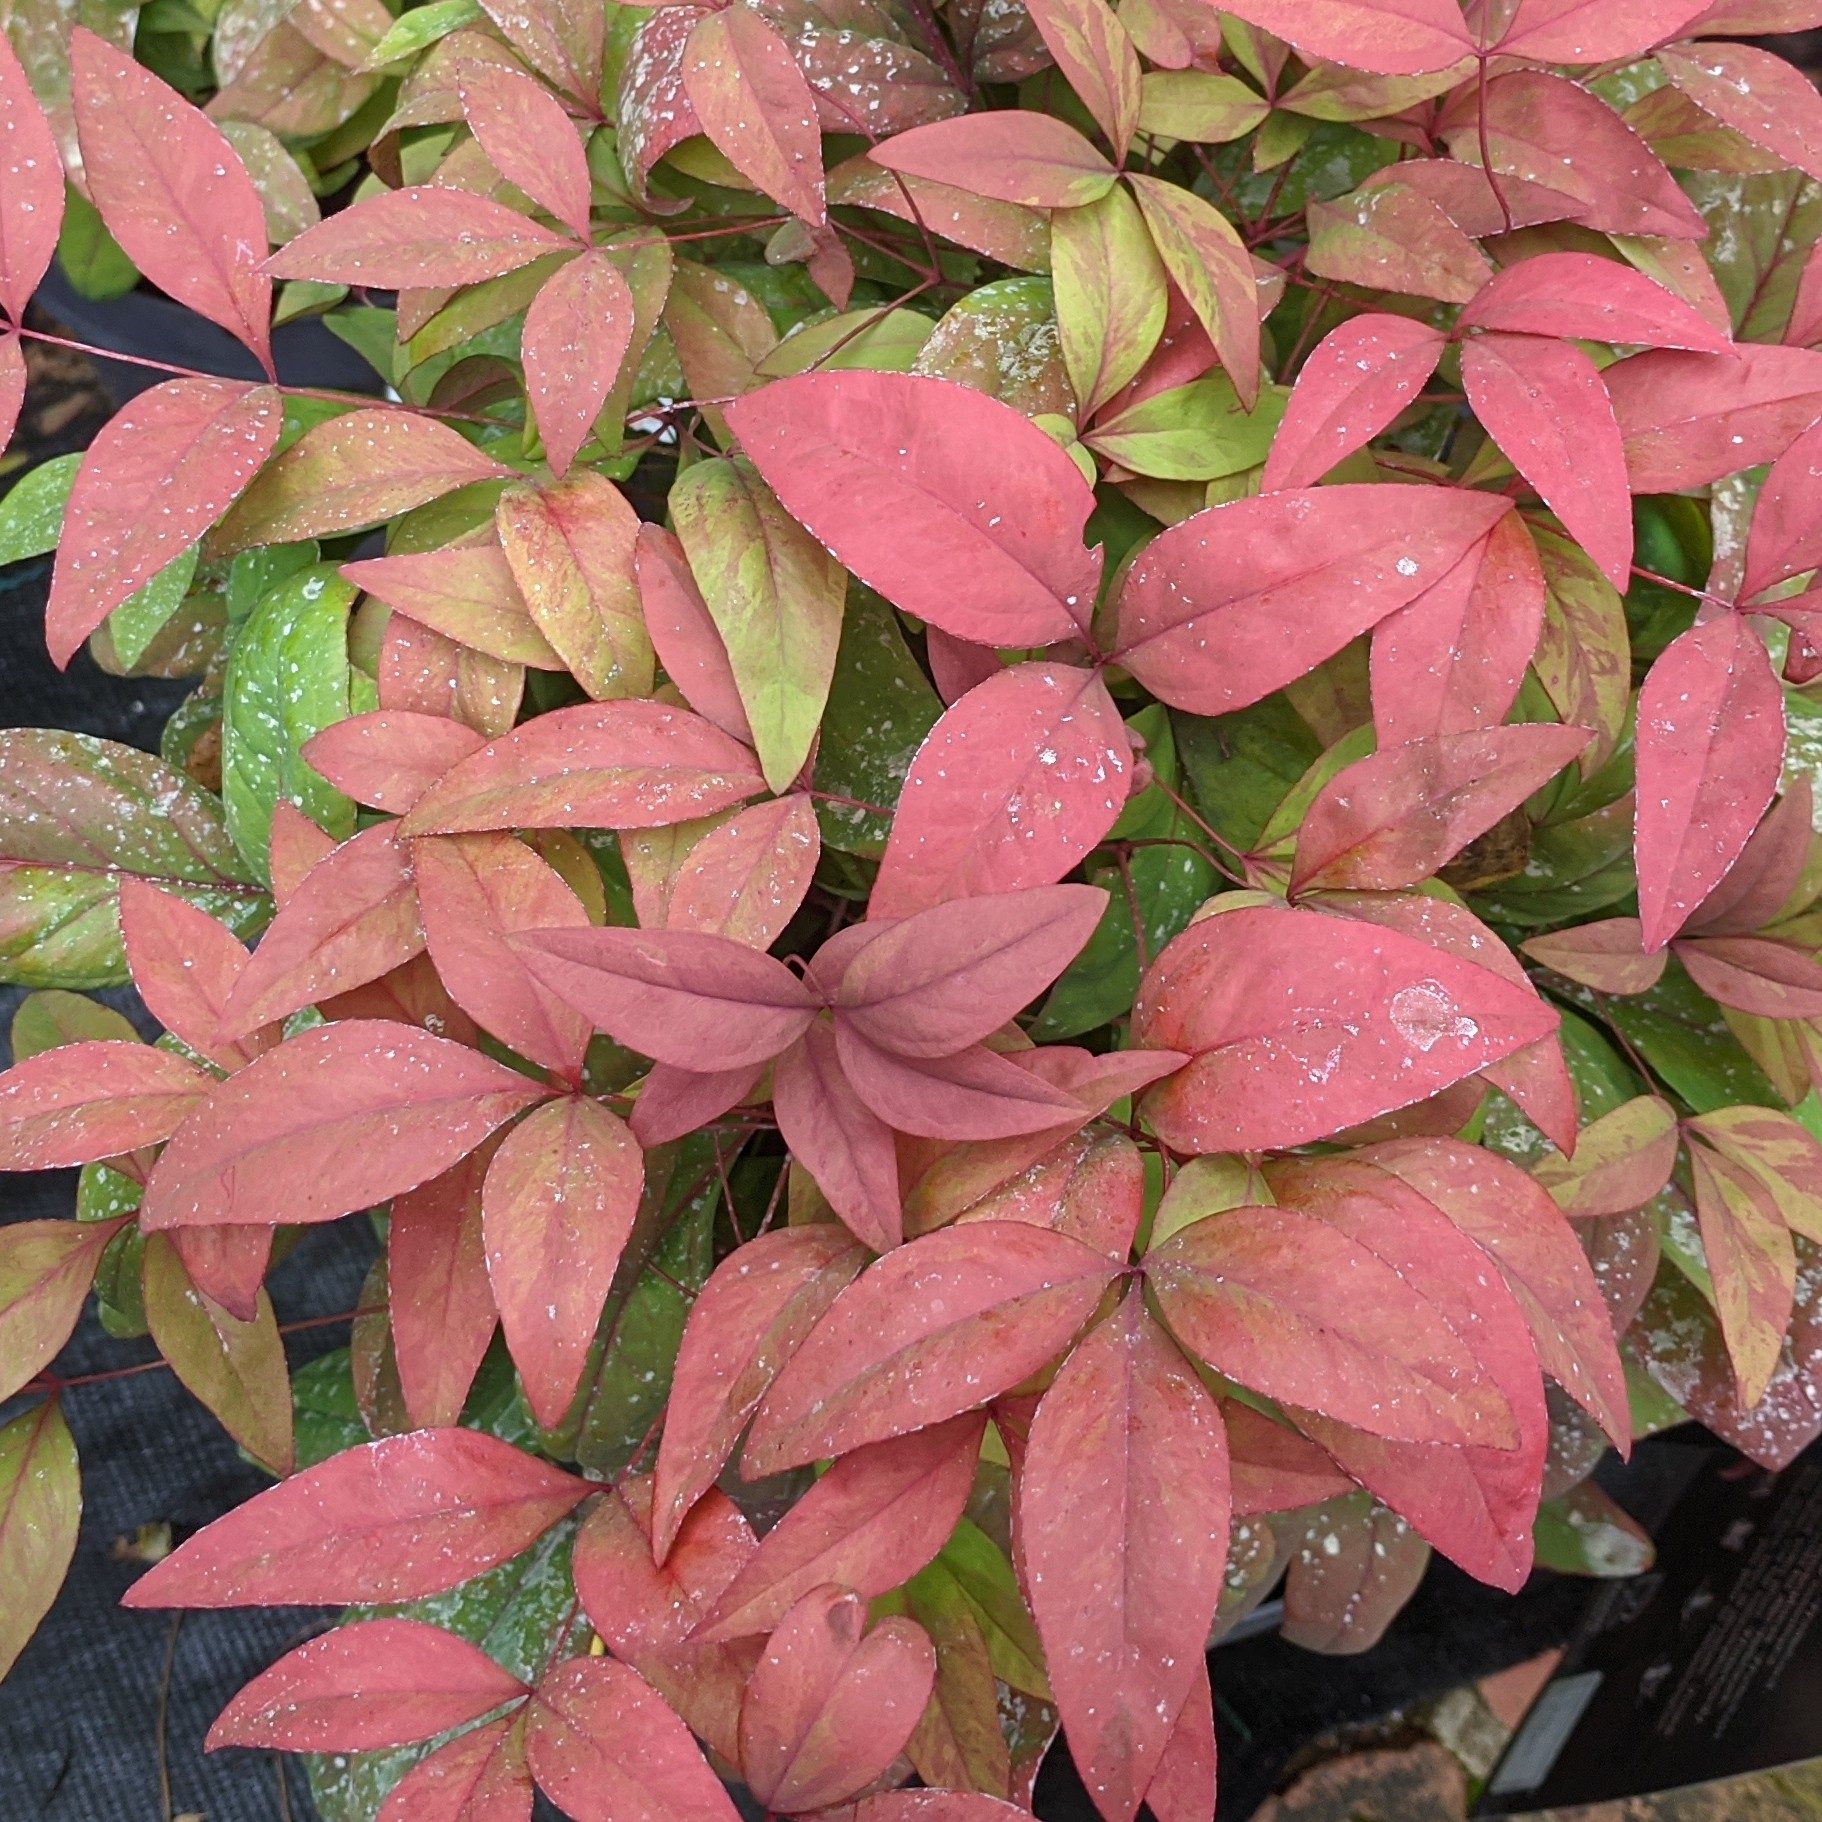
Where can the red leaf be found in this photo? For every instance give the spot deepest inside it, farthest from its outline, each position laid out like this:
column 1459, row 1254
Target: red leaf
column 1511, row 1216
column 465, row 592
column 975, row 1094
column 479, row 1776
column 334, row 1120
column 31, row 180
column 1013, row 156
column 378, row 1683
column 390, row 1521
column 12, row 383
column 1272, row 1467
column 1398, row 816
column 577, row 332
column 391, row 757
column 747, row 1321
column 747, row 877
column 1098, row 61
column 831, row 1705
column 1754, row 975
column 1016, row 782
column 528, row 139
column 684, row 633
column 1301, row 1026
column 561, row 1195
column 563, row 41
column 615, row 765
column 1455, row 658
column 1383, row 37
column 476, row 892
column 678, row 997
column 1594, row 31
column 1545, row 129
column 844, row 1145
column 1228, row 606
column 756, row 108
column 1757, row 93
column 1710, row 748
column 1183, row 1787
column 439, row 1301
column 870, row 1523
column 1251, row 1292
column 1689, row 419
column 951, row 976
column 352, row 918
column 419, row 236
column 1357, row 379
column 1786, row 535
column 46, row 1268
column 172, row 191
column 1122, row 1525
column 606, row 1748
column 935, row 1328
column 954, row 506
column 83, row 1102
column 156, row 477
column 1589, row 299
column 184, row 965
column 1621, row 1161
column 1544, row 404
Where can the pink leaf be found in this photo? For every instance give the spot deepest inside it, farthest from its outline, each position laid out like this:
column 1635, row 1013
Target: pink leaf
column 1589, row 299
column 479, row 1776
column 975, row 1094
column 1383, row 37
column 46, row 1268
column 1228, row 606
column 747, row 877
column 559, row 1204
column 1013, row 156
column 1757, row 93
column 297, row 1136
column 185, row 964
column 529, row 140
column 951, row 504
column 1786, row 535
column 1122, row 1525
column 390, row 757
column 616, row 765
column 935, row 1328
column 1594, row 31
column 1357, row 379
column 577, row 332
column 1710, row 748
column 82, row 1102
column 172, row 191
column 378, row 1683
column 1301, row 1026
column 756, row 108
column 418, row 236
column 31, row 183
column 156, row 477
column 465, row 592
column 1543, row 403
column 390, row 1521
column 1017, row 781
column 684, row 634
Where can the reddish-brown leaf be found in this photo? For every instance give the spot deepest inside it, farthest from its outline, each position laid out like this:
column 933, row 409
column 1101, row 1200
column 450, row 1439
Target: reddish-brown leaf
column 423, row 235
column 172, row 191
column 476, row 892
column 390, row 1521
column 954, row 506
column 1710, row 748
column 1252, row 1292
column 1301, row 1025
column 377, row 1683
column 876, row 1518
column 605, row 1746
column 82, row 1102
column 1234, row 603
column 935, row 1328
column 156, row 477
column 1608, row 956
column 1122, row 1524
column 559, row 1204
column 747, row 1321
column 336, row 1119
column 616, row 765
column 830, row 1704
column 1017, row 781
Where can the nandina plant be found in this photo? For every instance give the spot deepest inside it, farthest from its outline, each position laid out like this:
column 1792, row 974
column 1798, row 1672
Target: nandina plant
column 1035, row 825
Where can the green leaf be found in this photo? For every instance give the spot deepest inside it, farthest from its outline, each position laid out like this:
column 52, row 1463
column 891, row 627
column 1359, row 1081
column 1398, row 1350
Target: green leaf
column 91, row 258
column 40, row 1509
column 1679, row 1031
column 142, row 616
column 880, row 708
column 419, row 28
column 370, row 331
column 775, row 596
column 76, row 814
column 1241, row 766
column 52, row 1018
column 287, row 679
column 1585, row 1533
column 31, row 514
column 1197, row 432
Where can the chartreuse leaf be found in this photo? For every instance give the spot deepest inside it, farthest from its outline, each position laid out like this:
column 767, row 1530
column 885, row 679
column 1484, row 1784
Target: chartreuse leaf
column 40, row 1505
column 31, row 514
column 288, row 678
column 142, row 616
column 92, row 259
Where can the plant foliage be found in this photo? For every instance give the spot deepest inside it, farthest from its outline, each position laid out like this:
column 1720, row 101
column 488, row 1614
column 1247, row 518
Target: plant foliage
column 1038, row 805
